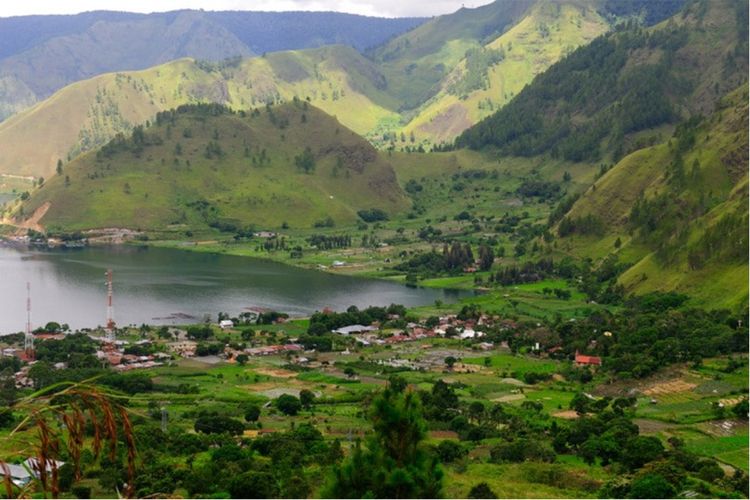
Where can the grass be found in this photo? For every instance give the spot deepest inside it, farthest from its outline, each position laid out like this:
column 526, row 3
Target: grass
column 159, row 189
column 94, row 110
column 528, row 52
column 720, row 281
column 732, row 450
column 514, row 364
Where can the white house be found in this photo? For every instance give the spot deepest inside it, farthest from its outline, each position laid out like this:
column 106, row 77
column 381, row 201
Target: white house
column 225, row 324
column 348, row 330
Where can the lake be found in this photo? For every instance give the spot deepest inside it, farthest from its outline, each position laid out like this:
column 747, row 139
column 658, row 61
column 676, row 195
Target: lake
column 167, row 286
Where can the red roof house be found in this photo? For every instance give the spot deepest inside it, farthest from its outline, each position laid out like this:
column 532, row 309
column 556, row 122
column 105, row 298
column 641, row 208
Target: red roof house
column 583, row 360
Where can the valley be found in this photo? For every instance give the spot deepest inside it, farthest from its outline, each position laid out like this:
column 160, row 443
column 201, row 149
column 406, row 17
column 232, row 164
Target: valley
column 497, row 253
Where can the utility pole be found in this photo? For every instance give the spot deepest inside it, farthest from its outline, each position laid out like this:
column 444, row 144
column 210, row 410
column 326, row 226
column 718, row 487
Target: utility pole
column 164, row 419
column 28, row 339
column 110, row 328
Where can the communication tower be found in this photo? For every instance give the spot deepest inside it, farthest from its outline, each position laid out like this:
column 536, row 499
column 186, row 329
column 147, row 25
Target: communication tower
column 110, row 328
column 28, row 339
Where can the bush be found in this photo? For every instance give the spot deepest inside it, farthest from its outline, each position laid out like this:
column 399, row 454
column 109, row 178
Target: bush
column 651, row 486
column 481, row 490
column 372, row 215
column 288, row 404
column 450, row 451
column 82, row 491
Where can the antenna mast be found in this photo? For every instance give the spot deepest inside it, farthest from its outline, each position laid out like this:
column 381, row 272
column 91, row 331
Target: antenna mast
column 28, row 339
column 110, row 328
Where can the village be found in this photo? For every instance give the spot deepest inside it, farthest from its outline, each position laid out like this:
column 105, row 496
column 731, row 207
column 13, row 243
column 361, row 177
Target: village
column 141, row 351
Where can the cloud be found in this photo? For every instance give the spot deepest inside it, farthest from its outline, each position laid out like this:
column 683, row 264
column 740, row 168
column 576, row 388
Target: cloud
column 379, row 8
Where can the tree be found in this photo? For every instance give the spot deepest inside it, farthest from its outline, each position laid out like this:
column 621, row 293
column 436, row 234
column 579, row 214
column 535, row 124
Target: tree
column 397, row 383
column 651, row 486
column 242, row 359
column 486, row 257
column 252, row 413
column 253, row 485
column 449, row 451
column 481, row 490
column 640, row 450
column 288, row 404
column 214, row 423
column 476, row 411
column 306, row 397
column 392, row 464
column 305, row 161
column 450, row 361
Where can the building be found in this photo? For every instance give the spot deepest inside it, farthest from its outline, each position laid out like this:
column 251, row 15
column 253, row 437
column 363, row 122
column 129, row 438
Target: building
column 348, row 330
column 225, row 324
column 583, row 360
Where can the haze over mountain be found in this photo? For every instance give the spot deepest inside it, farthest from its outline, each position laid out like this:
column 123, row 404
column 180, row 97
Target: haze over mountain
column 41, row 54
column 455, row 69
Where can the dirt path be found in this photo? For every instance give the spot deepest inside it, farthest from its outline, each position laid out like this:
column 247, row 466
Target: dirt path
column 33, row 221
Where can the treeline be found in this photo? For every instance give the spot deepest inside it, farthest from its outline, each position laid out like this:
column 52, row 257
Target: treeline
column 591, row 82
column 324, row 322
column 326, row 242
column 454, row 257
column 198, row 109
column 528, row 272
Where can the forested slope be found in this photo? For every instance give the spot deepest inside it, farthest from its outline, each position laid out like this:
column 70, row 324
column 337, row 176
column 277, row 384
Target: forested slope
column 591, row 104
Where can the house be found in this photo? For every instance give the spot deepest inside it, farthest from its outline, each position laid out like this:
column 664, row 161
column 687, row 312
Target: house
column 21, row 474
column 225, row 324
column 348, row 330
column 184, row 348
column 583, row 360
column 18, row 474
column 468, row 333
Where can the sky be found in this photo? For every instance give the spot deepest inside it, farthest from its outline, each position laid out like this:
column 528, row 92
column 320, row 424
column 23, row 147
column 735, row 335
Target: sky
column 379, row 8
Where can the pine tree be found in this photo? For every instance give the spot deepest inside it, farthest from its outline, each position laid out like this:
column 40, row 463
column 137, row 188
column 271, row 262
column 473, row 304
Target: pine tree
column 393, row 463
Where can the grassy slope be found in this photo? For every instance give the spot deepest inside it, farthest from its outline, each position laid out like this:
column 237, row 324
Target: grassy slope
column 529, row 50
column 721, row 283
column 86, row 114
column 416, row 62
column 369, row 96
column 698, row 70
column 160, row 184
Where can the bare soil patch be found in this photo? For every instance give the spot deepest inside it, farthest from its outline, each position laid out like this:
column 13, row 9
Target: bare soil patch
column 566, row 414
column 669, row 387
column 276, row 372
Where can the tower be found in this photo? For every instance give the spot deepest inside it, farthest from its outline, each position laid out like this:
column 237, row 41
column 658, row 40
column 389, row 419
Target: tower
column 28, row 339
column 164, row 419
column 110, row 328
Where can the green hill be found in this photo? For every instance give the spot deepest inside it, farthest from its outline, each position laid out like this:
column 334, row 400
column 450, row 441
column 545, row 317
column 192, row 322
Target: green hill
column 595, row 102
column 204, row 165
column 87, row 114
column 417, row 61
column 449, row 59
column 676, row 211
column 41, row 54
column 491, row 74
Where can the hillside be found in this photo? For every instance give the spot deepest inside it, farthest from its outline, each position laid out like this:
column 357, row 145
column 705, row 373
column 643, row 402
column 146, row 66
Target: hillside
column 41, row 54
column 490, row 75
column 204, row 165
column 592, row 104
column 85, row 115
column 678, row 209
column 416, row 62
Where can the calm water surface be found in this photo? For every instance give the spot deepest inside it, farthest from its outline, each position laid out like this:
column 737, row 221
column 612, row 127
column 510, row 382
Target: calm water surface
column 165, row 286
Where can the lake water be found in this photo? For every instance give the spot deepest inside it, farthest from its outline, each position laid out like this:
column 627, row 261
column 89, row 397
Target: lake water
column 165, row 286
